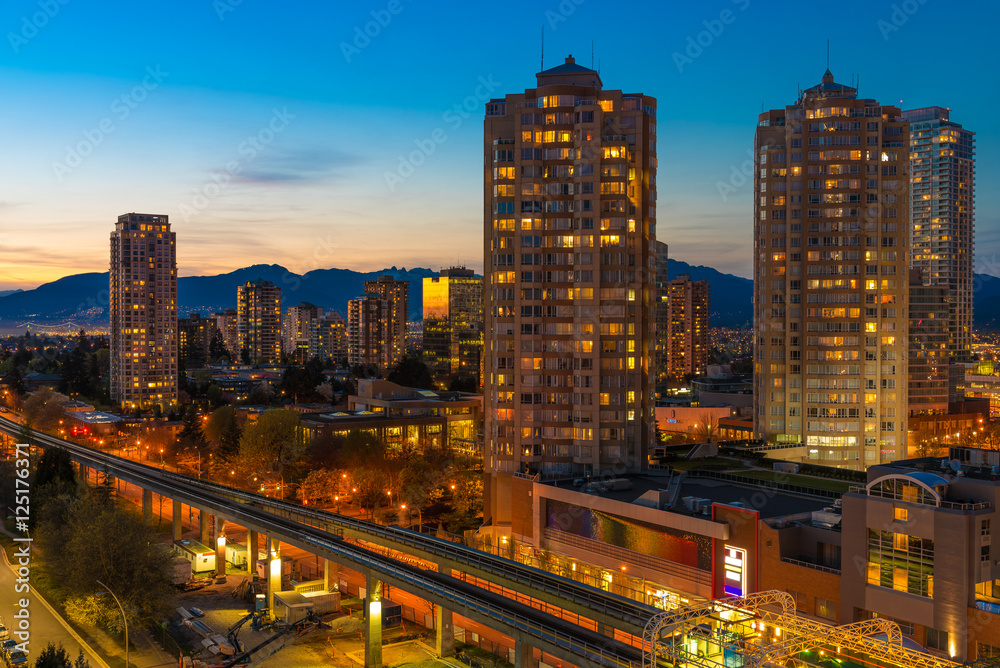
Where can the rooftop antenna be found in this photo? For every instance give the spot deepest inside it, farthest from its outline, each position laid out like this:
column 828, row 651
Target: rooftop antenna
column 591, row 54
column 543, row 50
column 828, row 53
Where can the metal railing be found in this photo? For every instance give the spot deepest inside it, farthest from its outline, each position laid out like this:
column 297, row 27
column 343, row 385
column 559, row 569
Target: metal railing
column 809, row 564
column 951, row 505
column 803, row 490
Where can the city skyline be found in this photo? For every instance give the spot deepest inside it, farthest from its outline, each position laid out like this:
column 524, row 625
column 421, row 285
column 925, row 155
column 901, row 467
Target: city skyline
column 330, row 120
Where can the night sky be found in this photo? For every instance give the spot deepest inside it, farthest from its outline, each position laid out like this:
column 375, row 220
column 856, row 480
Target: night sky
column 267, row 131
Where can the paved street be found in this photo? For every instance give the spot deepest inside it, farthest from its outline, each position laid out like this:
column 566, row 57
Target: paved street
column 45, row 627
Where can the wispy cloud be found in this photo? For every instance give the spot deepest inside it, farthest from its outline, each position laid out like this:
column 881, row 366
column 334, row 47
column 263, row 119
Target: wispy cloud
column 297, row 165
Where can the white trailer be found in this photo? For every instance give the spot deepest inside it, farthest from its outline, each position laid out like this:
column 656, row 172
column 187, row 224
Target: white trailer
column 201, row 557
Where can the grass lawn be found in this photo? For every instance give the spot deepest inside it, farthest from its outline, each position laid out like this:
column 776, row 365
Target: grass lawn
column 804, row 480
column 688, row 464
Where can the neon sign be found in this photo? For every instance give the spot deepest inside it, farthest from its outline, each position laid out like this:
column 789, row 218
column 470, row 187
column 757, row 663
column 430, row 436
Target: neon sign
column 735, row 582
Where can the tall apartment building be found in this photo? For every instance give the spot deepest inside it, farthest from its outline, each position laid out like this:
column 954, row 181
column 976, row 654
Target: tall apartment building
column 194, row 338
column 662, row 313
column 453, row 324
column 369, row 331
column 928, row 371
column 687, row 328
column 330, row 337
column 226, row 323
column 298, row 329
column 569, row 213
column 258, row 321
column 397, row 294
column 143, row 310
column 942, row 215
column 831, row 235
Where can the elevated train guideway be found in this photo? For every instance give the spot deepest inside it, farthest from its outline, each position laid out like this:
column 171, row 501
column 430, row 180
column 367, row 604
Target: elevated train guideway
column 528, row 626
column 763, row 630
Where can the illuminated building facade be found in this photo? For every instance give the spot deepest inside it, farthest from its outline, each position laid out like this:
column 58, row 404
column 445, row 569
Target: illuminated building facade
column 831, row 238
column 225, row 322
column 942, row 191
column 369, row 331
column 258, row 321
column 397, row 296
column 928, row 358
column 661, row 310
column 569, row 213
column 687, row 328
column 298, row 331
column 143, row 309
column 453, row 324
column 330, row 335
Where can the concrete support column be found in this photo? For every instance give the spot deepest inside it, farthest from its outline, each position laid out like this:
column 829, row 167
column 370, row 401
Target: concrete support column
column 84, row 474
column 331, row 571
column 445, row 632
column 524, row 654
column 147, row 505
column 273, row 572
column 251, row 551
column 220, row 546
column 205, row 524
column 373, row 623
column 178, row 507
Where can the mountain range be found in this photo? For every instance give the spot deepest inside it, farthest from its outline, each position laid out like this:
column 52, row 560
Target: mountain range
column 82, row 299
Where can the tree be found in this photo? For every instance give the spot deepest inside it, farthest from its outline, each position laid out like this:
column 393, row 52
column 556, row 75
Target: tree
column 411, row 372
column 707, row 427
column 269, row 443
column 43, row 410
column 360, row 449
column 468, row 384
column 191, row 434
column 16, row 381
column 83, row 541
column 57, row 657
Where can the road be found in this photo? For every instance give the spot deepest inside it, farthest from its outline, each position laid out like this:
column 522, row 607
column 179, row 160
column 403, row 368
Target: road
column 44, row 626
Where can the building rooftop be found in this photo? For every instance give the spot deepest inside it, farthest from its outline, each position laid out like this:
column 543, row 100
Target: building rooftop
column 569, row 74
column 643, row 489
column 95, row 417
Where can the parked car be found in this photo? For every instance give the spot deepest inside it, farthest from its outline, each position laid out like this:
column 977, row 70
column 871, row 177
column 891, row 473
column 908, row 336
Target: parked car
column 7, row 645
column 4, row 633
column 18, row 658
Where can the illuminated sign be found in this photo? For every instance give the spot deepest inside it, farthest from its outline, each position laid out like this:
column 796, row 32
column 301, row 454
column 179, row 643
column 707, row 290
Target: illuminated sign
column 735, row 582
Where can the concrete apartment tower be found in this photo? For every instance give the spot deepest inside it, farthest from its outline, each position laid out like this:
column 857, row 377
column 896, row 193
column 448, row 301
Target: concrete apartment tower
column 397, row 294
column 831, row 254
column 687, row 328
column 942, row 215
column 569, row 213
column 258, row 321
column 143, row 309
column 298, row 331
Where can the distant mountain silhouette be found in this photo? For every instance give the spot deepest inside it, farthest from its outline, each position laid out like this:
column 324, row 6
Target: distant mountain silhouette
column 729, row 301
column 83, row 298
column 4, row 293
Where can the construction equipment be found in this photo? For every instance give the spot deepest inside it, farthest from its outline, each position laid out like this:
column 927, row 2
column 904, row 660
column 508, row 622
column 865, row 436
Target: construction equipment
column 298, row 629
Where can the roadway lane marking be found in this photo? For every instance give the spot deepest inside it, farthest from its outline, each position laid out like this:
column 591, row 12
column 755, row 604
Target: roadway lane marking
column 62, row 621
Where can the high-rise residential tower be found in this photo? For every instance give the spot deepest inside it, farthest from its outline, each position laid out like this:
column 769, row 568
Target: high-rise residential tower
column 453, row 324
column 369, row 331
column 686, row 351
column 660, row 309
column 569, row 218
column 226, row 323
column 298, row 331
column 330, row 338
column 258, row 321
column 831, row 241
column 143, row 309
column 942, row 208
column 397, row 294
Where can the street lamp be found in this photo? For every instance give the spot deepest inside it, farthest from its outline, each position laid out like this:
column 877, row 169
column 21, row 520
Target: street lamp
column 642, row 576
column 124, row 618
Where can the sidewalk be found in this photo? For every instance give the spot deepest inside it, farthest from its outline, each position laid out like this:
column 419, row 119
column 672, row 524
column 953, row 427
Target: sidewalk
column 146, row 652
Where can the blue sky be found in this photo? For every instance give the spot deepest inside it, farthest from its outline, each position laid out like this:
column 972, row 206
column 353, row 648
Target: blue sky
column 266, row 130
